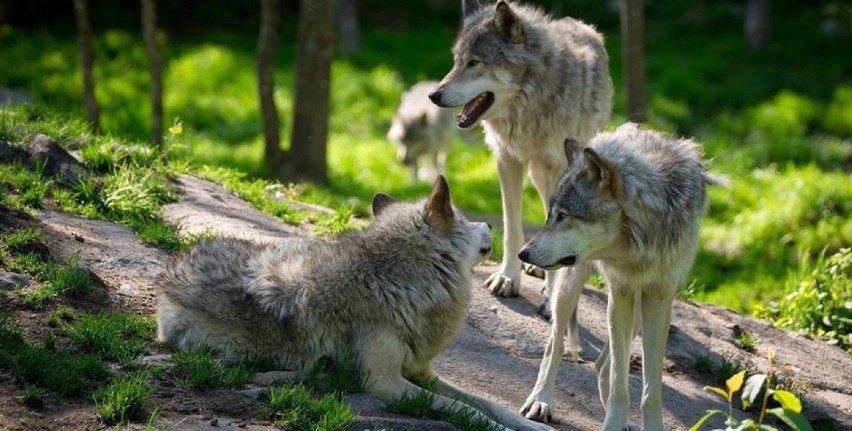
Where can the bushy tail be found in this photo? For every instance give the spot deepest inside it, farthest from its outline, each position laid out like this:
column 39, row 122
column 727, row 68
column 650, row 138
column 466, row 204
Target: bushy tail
column 716, row 180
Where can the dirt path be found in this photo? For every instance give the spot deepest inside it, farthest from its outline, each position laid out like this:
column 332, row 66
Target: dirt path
column 497, row 354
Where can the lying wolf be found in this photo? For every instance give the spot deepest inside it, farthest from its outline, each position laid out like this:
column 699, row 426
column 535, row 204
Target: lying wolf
column 531, row 80
column 422, row 132
column 630, row 204
column 388, row 299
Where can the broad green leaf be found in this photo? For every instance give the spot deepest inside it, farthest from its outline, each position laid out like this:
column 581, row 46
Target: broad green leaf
column 701, row 421
column 788, row 400
column 735, row 383
column 794, row 420
column 752, row 388
column 719, row 391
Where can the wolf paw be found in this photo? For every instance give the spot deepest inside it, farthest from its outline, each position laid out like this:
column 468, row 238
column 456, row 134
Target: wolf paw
column 501, row 285
column 537, row 410
column 533, row 270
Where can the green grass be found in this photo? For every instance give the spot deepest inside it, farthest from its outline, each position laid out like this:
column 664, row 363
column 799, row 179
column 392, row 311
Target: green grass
column 202, row 369
column 294, row 407
column 747, row 341
column 33, row 396
column 420, row 405
column 124, row 399
column 113, row 337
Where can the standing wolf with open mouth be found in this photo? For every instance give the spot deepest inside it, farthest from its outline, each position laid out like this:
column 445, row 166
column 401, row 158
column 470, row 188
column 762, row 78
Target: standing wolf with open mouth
column 531, row 80
column 631, row 203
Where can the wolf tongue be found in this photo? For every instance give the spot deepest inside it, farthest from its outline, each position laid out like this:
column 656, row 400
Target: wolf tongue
column 470, row 107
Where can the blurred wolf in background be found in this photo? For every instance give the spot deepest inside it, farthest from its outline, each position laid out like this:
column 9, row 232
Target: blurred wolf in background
column 532, row 81
column 386, row 300
column 422, row 132
column 630, row 203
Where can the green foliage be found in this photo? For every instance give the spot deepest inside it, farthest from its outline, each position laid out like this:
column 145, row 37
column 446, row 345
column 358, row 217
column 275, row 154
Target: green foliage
column 420, row 404
column 119, row 337
column 789, row 411
column 59, row 371
column 817, row 300
column 293, row 407
column 747, row 341
column 33, row 396
column 333, row 376
column 202, row 369
column 124, row 399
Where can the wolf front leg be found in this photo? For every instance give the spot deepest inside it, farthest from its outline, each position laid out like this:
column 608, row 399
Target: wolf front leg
column 566, row 294
column 656, row 317
column 620, row 310
column 506, row 281
column 381, row 355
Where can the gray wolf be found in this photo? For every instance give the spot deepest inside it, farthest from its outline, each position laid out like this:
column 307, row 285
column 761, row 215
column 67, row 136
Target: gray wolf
column 630, row 204
column 531, row 81
column 422, row 132
column 386, row 300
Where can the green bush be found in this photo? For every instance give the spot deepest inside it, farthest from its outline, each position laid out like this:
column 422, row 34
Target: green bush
column 818, row 300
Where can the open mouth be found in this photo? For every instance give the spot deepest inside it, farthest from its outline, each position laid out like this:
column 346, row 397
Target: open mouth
column 474, row 109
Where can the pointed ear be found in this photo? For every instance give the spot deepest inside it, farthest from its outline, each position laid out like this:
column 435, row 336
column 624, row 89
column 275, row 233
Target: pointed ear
column 508, row 24
column 439, row 209
column 573, row 150
column 601, row 171
column 469, row 9
column 380, row 202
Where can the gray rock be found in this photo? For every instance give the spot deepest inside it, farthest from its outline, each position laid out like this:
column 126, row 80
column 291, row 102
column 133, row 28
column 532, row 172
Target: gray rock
column 58, row 162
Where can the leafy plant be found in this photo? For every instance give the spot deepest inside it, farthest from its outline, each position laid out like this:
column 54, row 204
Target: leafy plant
column 789, row 410
column 818, row 300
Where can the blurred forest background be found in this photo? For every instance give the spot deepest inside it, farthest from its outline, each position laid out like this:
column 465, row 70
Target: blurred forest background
column 774, row 113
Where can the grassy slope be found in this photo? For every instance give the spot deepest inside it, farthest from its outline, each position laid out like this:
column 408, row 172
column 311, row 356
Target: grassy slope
column 779, row 127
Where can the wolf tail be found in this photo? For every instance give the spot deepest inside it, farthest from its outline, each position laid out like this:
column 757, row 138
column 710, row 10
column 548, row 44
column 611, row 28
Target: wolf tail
column 716, row 180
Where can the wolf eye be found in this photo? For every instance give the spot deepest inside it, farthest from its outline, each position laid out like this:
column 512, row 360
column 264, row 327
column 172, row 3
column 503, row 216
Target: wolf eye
column 472, row 63
column 560, row 217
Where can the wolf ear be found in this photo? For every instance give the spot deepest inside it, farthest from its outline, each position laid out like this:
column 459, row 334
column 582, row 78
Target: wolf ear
column 380, row 202
column 601, row 171
column 508, row 24
column 573, row 149
column 469, row 9
column 439, row 209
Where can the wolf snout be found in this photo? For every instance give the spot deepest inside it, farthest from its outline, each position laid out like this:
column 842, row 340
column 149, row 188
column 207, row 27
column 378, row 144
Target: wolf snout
column 435, row 97
column 524, row 255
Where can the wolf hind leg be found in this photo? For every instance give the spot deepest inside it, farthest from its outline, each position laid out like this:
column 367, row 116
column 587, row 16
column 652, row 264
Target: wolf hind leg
column 506, row 281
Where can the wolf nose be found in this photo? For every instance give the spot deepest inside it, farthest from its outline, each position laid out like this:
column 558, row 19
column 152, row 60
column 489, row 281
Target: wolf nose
column 524, row 255
column 435, row 97
column 489, row 226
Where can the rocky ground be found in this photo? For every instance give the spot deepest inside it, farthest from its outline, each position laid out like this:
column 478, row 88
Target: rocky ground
column 497, row 354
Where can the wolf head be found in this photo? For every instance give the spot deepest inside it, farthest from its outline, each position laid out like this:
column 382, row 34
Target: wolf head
column 441, row 220
column 584, row 214
column 489, row 55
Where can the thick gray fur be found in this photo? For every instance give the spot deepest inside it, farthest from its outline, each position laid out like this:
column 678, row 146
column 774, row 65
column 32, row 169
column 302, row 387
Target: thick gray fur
column 388, row 299
column 549, row 79
column 630, row 204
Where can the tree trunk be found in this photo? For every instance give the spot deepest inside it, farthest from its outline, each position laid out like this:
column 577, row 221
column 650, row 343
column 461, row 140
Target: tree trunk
column 149, row 29
column 350, row 30
column 756, row 23
column 633, row 58
column 266, row 51
column 87, row 57
column 306, row 159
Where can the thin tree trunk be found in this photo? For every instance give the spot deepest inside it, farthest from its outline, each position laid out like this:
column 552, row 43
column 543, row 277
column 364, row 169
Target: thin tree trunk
column 306, row 159
column 87, row 57
column 757, row 22
column 149, row 29
column 266, row 51
column 350, row 30
column 633, row 58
